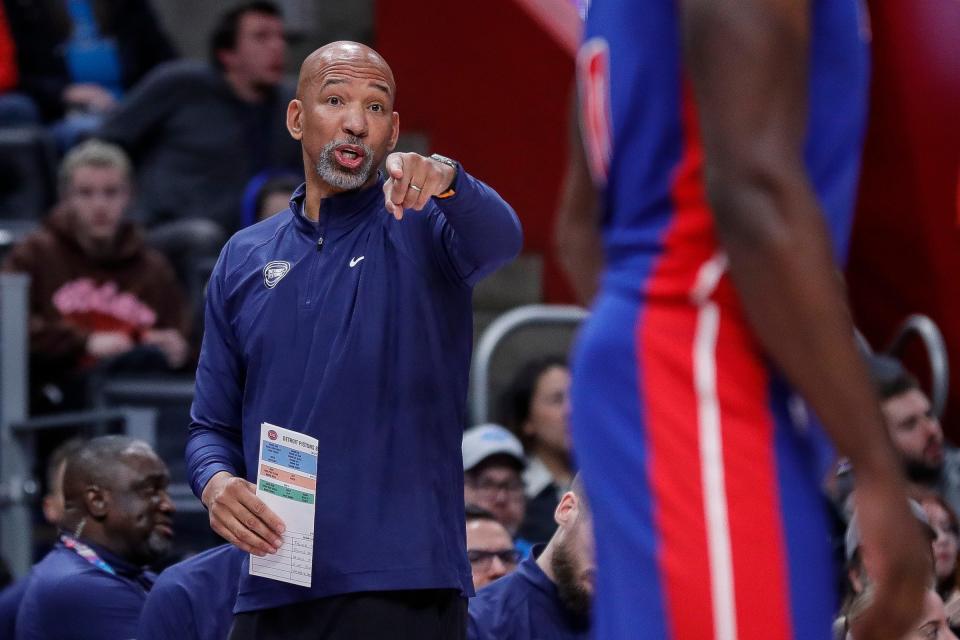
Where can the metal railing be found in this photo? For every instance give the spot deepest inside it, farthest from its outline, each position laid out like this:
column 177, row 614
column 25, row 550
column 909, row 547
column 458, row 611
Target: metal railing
column 926, row 329
column 498, row 331
column 929, row 334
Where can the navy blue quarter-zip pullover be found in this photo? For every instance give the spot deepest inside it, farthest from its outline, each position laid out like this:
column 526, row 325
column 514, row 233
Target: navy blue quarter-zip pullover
column 356, row 330
column 69, row 597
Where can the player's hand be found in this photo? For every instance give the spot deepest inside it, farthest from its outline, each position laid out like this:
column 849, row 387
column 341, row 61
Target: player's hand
column 413, row 180
column 896, row 556
column 240, row 517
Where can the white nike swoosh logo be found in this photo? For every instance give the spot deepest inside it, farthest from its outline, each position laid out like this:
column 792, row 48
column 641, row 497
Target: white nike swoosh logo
column 355, row 261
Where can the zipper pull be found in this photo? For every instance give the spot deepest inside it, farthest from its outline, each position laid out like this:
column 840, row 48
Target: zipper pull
column 320, row 243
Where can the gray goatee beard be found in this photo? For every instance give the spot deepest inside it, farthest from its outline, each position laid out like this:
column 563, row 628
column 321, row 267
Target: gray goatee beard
column 340, row 177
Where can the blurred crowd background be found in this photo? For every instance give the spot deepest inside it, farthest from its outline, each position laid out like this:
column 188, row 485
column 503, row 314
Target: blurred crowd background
column 137, row 135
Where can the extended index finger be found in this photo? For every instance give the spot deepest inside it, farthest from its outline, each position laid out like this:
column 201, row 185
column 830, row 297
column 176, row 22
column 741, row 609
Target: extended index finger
column 248, row 498
column 401, row 183
column 394, row 166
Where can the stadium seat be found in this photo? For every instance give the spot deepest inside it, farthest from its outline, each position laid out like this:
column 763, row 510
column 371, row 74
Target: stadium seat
column 27, row 173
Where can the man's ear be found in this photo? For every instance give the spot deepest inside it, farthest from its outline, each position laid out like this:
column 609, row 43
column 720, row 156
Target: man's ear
column 97, row 501
column 226, row 58
column 396, row 132
column 856, row 582
column 295, row 119
column 527, row 428
column 51, row 512
column 566, row 511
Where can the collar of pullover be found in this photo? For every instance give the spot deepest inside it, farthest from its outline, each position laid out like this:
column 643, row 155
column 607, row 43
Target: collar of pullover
column 342, row 211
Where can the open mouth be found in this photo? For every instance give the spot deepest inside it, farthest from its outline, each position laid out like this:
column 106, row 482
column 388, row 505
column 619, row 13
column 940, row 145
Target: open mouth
column 349, row 156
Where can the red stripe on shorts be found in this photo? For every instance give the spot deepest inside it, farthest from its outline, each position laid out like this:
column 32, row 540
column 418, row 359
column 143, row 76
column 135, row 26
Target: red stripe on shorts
column 665, row 334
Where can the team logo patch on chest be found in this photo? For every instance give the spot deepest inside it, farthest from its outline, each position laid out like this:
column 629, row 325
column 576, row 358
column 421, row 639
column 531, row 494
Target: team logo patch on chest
column 274, row 272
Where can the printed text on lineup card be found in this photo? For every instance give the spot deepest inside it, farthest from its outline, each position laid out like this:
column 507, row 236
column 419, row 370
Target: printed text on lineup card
column 290, row 458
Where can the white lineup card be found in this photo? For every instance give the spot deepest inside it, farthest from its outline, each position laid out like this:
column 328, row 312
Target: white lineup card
column 287, row 483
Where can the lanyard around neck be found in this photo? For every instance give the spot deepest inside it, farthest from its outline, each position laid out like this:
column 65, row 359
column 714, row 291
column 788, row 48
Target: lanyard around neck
column 88, row 554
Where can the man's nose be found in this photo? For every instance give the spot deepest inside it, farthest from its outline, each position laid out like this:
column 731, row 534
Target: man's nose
column 166, row 503
column 497, row 568
column 355, row 121
column 101, row 200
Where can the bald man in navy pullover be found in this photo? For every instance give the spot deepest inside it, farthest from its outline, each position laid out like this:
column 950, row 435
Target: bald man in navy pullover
column 358, row 333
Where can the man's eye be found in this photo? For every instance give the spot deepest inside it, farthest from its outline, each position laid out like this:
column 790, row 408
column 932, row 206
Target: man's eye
column 376, row 107
column 334, row 100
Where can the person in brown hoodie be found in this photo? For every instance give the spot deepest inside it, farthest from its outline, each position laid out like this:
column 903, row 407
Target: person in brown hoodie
column 97, row 292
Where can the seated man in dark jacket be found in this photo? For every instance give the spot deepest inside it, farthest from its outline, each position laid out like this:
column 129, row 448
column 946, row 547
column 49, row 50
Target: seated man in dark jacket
column 199, row 132
column 548, row 596
column 96, row 290
column 77, row 59
column 116, row 522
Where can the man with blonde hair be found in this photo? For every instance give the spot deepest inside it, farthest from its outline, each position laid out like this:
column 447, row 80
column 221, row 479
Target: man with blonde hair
column 97, row 292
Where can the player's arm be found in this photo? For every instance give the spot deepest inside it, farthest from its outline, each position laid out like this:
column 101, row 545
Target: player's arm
column 748, row 63
column 577, row 231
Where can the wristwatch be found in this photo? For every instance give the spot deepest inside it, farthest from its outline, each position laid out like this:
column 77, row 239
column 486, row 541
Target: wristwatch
column 456, row 170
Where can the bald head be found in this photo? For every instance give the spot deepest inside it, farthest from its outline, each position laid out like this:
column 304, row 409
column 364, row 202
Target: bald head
column 342, row 60
column 96, row 462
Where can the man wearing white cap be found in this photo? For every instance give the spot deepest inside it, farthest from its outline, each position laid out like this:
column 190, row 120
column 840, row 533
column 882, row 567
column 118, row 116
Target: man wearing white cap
column 493, row 461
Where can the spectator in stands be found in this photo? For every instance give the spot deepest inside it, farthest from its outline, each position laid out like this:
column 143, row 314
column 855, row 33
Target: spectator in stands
column 97, row 291
column 492, row 463
column 52, row 503
column 489, row 547
column 198, row 133
column 549, row 595
column 267, row 196
column 116, row 522
column 16, row 109
column 78, row 57
column 193, row 599
column 536, row 408
column 11, row 596
column 929, row 462
column 860, row 566
column 932, row 624
column 945, row 546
